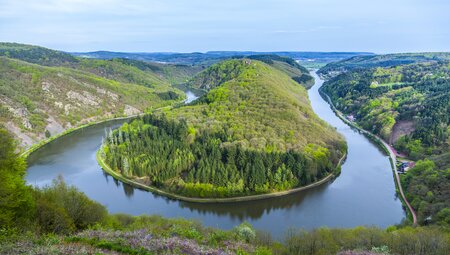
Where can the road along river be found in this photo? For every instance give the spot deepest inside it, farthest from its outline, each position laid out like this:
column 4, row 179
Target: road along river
column 363, row 194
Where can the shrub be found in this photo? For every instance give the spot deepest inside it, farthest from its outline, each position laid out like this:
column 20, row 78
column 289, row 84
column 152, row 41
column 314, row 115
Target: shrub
column 246, row 232
column 62, row 209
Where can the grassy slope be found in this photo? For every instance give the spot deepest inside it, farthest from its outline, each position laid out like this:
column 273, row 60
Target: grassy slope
column 44, row 89
column 260, row 104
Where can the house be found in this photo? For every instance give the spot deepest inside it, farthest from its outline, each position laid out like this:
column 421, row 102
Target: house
column 405, row 166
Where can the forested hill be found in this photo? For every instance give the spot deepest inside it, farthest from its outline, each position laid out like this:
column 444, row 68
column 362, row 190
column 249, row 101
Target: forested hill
column 388, row 60
column 36, row 54
column 409, row 106
column 44, row 92
column 227, row 70
column 288, row 65
column 148, row 74
column 253, row 132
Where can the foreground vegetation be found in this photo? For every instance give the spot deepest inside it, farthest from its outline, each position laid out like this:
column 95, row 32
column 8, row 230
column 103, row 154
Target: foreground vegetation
column 408, row 106
column 253, row 132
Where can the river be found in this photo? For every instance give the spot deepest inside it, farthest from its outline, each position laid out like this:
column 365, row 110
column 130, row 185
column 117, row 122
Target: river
column 363, row 194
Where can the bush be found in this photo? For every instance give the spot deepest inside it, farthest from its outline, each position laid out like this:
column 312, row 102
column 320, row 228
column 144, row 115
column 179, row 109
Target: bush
column 246, row 232
column 62, row 209
column 15, row 200
column 52, row 218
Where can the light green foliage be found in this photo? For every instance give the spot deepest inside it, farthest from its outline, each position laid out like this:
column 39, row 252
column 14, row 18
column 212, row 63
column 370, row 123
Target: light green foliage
column 289, row 66
column 63, row 209
column 427, row 186
column 245, row 232
column 258, row 106
column 402, row 241
column 15, row 199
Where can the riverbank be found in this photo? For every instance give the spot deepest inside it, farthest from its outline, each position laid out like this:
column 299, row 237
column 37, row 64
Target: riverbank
column 135, row 184
column 42, row 143
column 382, row 144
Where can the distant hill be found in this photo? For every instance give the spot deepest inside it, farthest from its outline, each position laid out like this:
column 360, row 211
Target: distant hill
column 388, row 60
column 36, row 54
column 254, row 131
column 224, row 71
column 123, row 69
column 289, row 66
column 210, row 57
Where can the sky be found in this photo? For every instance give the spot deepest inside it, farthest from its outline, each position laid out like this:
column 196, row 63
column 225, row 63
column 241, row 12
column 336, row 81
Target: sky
column 380, row 26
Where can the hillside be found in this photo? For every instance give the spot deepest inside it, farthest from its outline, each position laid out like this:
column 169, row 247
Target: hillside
column 289, row 66
column 148, row 74
column 388, row 60
column 172, row 73
column 36, row 54
column 253, row 132
column 40, row 101
column 223, row 71
column 408, row 106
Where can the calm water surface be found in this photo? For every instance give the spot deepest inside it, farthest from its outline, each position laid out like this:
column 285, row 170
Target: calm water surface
column 364, row 193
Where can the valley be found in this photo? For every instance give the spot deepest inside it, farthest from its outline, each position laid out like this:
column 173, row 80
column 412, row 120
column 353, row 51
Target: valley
column 192, row 119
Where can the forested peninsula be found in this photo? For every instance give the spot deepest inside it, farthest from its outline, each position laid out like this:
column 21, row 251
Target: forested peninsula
column 253, row 132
